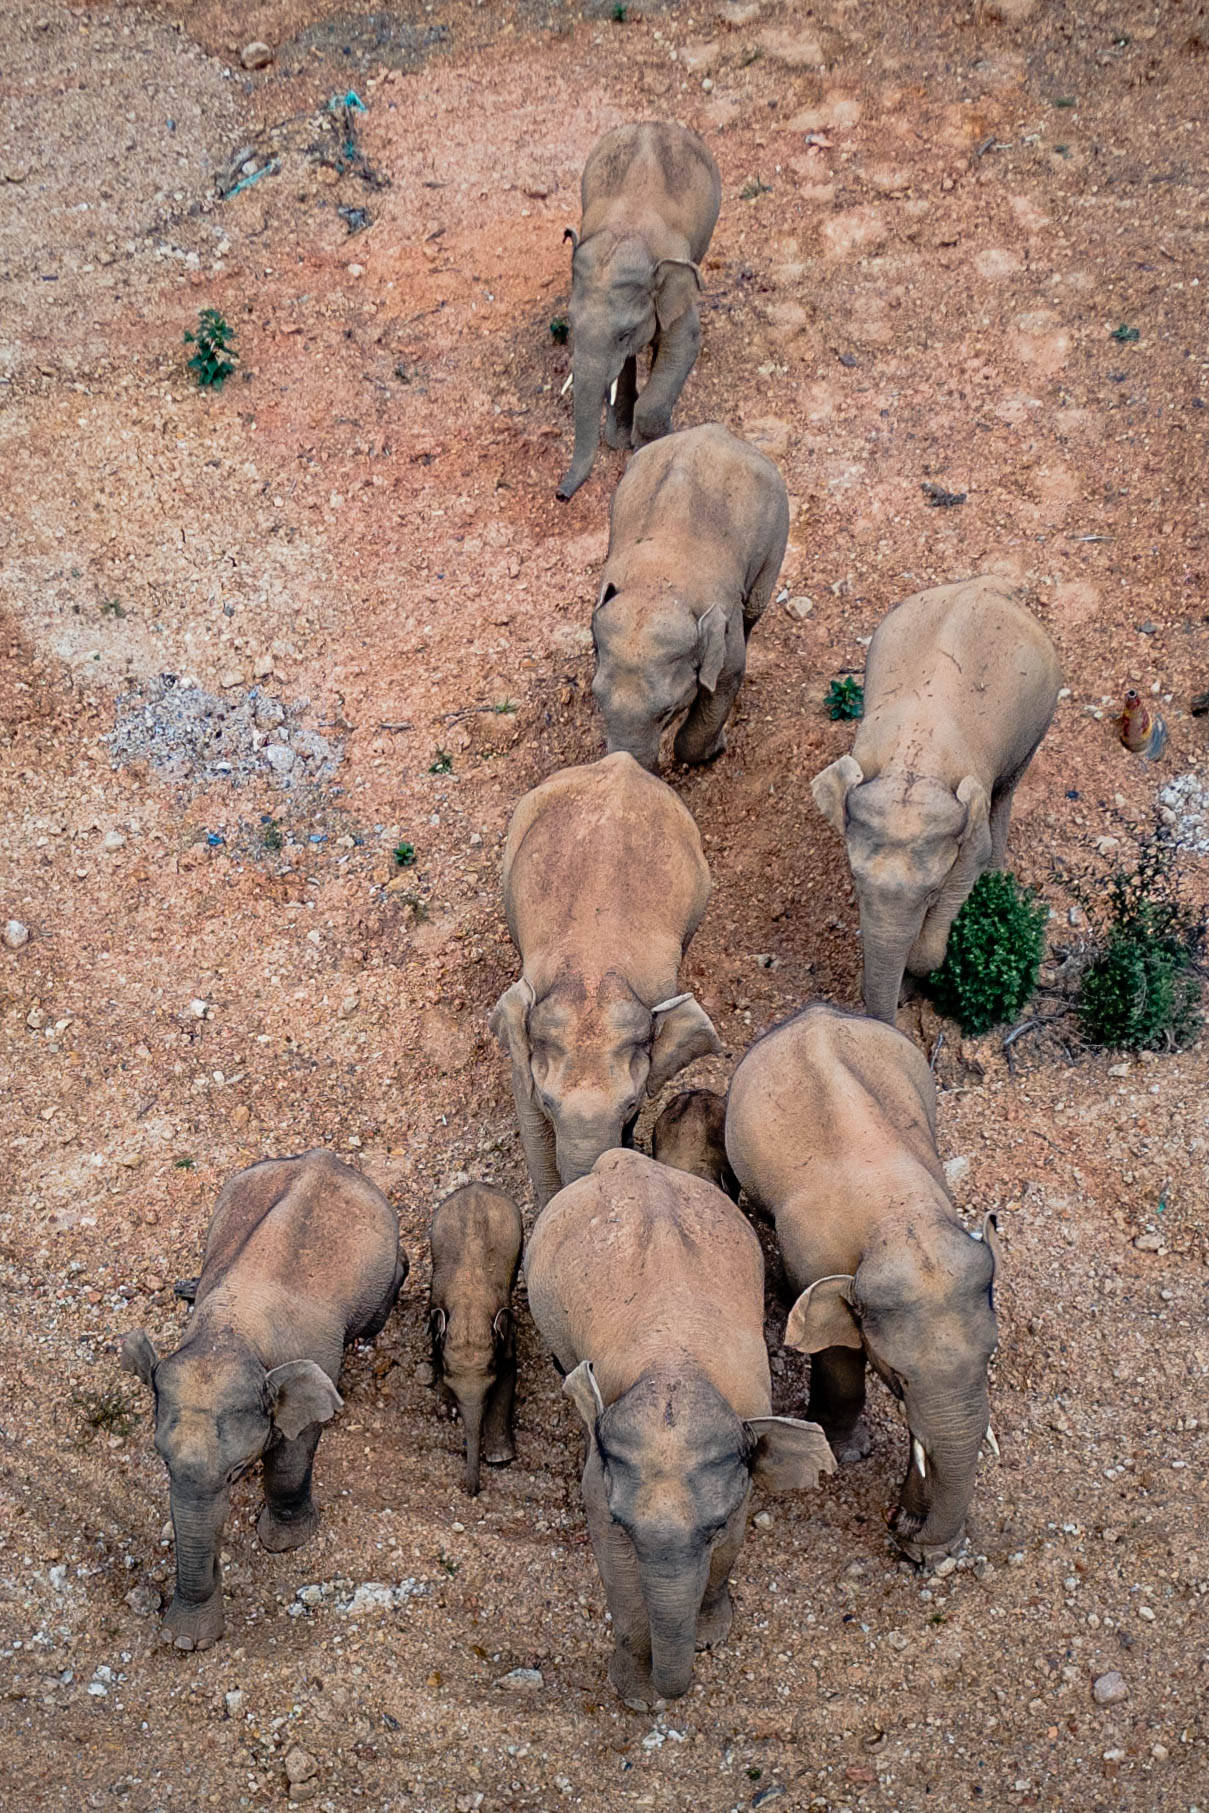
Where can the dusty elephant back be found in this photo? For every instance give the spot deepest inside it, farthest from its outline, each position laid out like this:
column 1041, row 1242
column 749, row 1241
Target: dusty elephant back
column 605, row 862
column 635, row 1264
column 653, row 166
column 476, row 1231
column 309, row 1228
column 961, row 678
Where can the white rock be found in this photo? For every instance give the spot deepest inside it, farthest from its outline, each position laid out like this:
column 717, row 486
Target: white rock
column 955, row 1169
column 199, row 1008
column 280, row 759
column 113, row 841
column 349, row 1006
column 299, row 1765
column 233, row 1702
column 522, row 1680
column 16, row 934
column 256, row 55
column 1110, row 1689
column 799, row 606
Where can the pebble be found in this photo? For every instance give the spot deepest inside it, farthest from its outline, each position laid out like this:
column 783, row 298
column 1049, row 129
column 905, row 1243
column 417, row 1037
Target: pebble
column 1110, row 1689
column 144, row 1599
column 1150, row 1243
column 16, row 934
column 280, row 759
column 299, row 1765
column 199, row 1008
column 955, row 1169
column 349, row 1006
column 256, row 55
column 763, row 1520
column 522, row 1680
column 799, row 606
column 424, row 1374
column 112, row 842
column 945, row 1567
column 233, row 1701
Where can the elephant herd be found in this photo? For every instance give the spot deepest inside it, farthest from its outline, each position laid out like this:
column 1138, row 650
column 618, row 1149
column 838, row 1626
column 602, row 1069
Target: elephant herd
column 644, row 1278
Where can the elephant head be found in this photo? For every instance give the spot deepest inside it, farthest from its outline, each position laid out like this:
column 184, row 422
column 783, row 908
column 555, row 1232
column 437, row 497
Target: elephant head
column 649, row 665
column 922, row 1310
column 469, row 1352
column 690, row 1135
column 674, row 1464
column 916, row 847
column 582, row 1058
column 621, row 295
column 216, row 1411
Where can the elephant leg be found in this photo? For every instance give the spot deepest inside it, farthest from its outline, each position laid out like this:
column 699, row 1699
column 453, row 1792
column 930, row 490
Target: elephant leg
column 378, row 1320
column 837, row 1398
column 717, row 1610
column 760, row 591
column 498, row 1446
column 678, row 346
column 619, row 414
column 537, row 1142
column 702, row 735
column 290, row 1515
column 630, row 1667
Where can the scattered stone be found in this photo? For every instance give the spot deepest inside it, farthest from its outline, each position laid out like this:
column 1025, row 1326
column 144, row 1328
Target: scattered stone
column 144, row 1599
column 280, row 759
column 191, row 735
column 233, row 1701
column 955, row 1169
column 1187, row 799
column 799, row 606
column 349, row 1602
column 16, row 934
column 35, row 1019
column 349, row 1006
column 299, row 1765
column 199, row 1008
column 425, row 1373
column 1150, row 1243
column 256, row 55
column 763, row 1520
column 945, row 1567
column 521, row 1680
column 1110, row 1689
column 112, row 842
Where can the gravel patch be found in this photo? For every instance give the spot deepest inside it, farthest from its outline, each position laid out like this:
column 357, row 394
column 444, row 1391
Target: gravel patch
column 192, row 735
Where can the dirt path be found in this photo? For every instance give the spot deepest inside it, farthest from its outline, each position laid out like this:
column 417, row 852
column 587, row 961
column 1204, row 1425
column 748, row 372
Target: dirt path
column 934, row 219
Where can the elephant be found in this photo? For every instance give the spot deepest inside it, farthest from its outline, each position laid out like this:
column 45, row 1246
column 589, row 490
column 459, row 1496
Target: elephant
column 697, row 534
column 648, row 1287
column 604, row 885
column 831, row 1127
column 302, row 1256
column 475, row 1237
column 960, row 685
column 690, row 1135
column 650, row 196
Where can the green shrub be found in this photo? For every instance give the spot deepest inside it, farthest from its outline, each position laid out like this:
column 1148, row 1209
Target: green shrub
column 405, row 854
column 214, row 360
column 1141, row 991
column 994, row 953
column 560, row 327
column 845, row 699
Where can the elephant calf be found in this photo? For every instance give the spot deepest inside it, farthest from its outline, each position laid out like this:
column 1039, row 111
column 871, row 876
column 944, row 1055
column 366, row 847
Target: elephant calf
column 476, row 1239
column 604, row 885
column 650, row 197
column 690, row 1135
column 302, row 1256
column 648, row 1286
column 697, row 535
column 960, row 686
column 831, row 1127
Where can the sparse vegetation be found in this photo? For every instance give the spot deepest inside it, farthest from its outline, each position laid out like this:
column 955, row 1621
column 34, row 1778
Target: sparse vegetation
column 995, row 947
column 112, row 1412
column 1141, row 991
column 441, row 763
column 845, row 699
column 752, row 190
column 214, row 361
column 560, row 327
column 112, row 607
column 184, row 1162
column 1125, row 336
column 405, row 854
column 505, row 708
column 620, row 14
column 272, row 837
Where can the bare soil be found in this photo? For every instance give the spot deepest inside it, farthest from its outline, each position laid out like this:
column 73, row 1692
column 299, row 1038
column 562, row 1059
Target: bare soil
column 934, row 218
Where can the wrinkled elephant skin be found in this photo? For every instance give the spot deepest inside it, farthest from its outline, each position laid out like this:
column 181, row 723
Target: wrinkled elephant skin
column 475, row 1239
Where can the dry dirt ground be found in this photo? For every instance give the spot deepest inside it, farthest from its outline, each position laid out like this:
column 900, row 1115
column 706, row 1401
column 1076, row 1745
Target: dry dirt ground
column 934, row 217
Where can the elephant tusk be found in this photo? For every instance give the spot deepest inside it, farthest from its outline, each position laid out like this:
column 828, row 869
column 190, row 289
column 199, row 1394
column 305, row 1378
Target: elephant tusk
column 992, row 1444
column 612, row 393
column 566, row 387
column 918, row 1457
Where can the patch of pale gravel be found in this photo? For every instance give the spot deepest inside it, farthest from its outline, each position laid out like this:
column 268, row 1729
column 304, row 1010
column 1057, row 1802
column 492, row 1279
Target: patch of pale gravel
column 191, row 735
column 1187, row 798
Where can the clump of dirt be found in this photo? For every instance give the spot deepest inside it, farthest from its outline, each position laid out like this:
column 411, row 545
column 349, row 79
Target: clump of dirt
column 191, row 735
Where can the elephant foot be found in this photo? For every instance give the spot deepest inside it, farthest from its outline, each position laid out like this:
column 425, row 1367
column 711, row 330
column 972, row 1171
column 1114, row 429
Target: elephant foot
column 188, row 1625
column 278, row 1533
column 650, row 427
column 631, row 1680
column 903, row 1527
column 714, row 1621
column 499, row 1454
column 848, row 1445
column 694, row 755
column 617, row 435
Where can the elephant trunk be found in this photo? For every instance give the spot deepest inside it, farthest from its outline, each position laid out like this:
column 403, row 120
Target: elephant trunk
column 197, row 1523
column 638, row 736
column 946, row 1438
column 470, row 1409
column 578, row 1148
column 672, row 1591
column 591, row 382
column 886, row 940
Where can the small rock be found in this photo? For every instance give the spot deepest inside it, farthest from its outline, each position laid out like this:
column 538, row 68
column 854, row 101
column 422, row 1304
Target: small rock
column 231, row 678
column 1106, row 845
column 349, row 1006
column 424, row 1374
column 1150, row 1243
column 35, row 1019
column 522, row 1680
column 945, row 1567
column 1118, row 1070
column 233, row 1702
column 144, row 1599
column 763, row 1520
column 1076, row 916
column 16, row 934
column 896, row 1640
column 955, row 1169
column 153, row 1282
column 241, row 1114
column 256, row 55
column 799, row 606
column 304, row 1790
column 299, row 1765
column 112, row 842
column 199, row 1008
column 280, row 759
column 1110, row 1689
column 262, row 667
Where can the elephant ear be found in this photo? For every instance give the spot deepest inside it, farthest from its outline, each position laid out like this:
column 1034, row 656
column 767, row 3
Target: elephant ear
column 682, row 1031
column 139, row 1356
column 300, row 1393
column 711, row 646
column 789, row 1455
column 509, row 1021
column 581, row 1387
column 677, row 281
column 973, row 796
column 831, row 789
column 823, row 1316
column 988, row 1233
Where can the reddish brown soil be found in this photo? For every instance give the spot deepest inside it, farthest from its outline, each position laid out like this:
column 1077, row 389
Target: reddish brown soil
column 933, row 217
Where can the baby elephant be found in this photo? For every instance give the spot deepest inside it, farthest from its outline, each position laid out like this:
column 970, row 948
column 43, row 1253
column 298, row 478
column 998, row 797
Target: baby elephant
column 831, row 1126
column 302, row 1257
column 604, row 885
column 960, row 686
column 650, row 196
column 698, row 531
column 690, row 1135
column 648, row 1286
column 476, row 1248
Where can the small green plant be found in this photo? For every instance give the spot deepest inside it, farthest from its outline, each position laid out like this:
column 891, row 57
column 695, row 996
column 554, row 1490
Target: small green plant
column 184, row 1162
column 448, row 1563
column 214, row 360
column 1066, row 100
column 441, row 763
column 505, row 708
column 994, row 953
column 620, row 14
column 271, row 837
column 112, row 607
column 405, row 855
column 111, row 1411
column 1141, row 992
column 751, row 191
column 845, row 699
column 560, row 327
column 1125, row 336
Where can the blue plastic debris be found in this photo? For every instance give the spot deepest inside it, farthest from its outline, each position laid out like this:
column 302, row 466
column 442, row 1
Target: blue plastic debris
column 347, row 100
column 318, row 837
column 269, row 169
column 214, row 838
